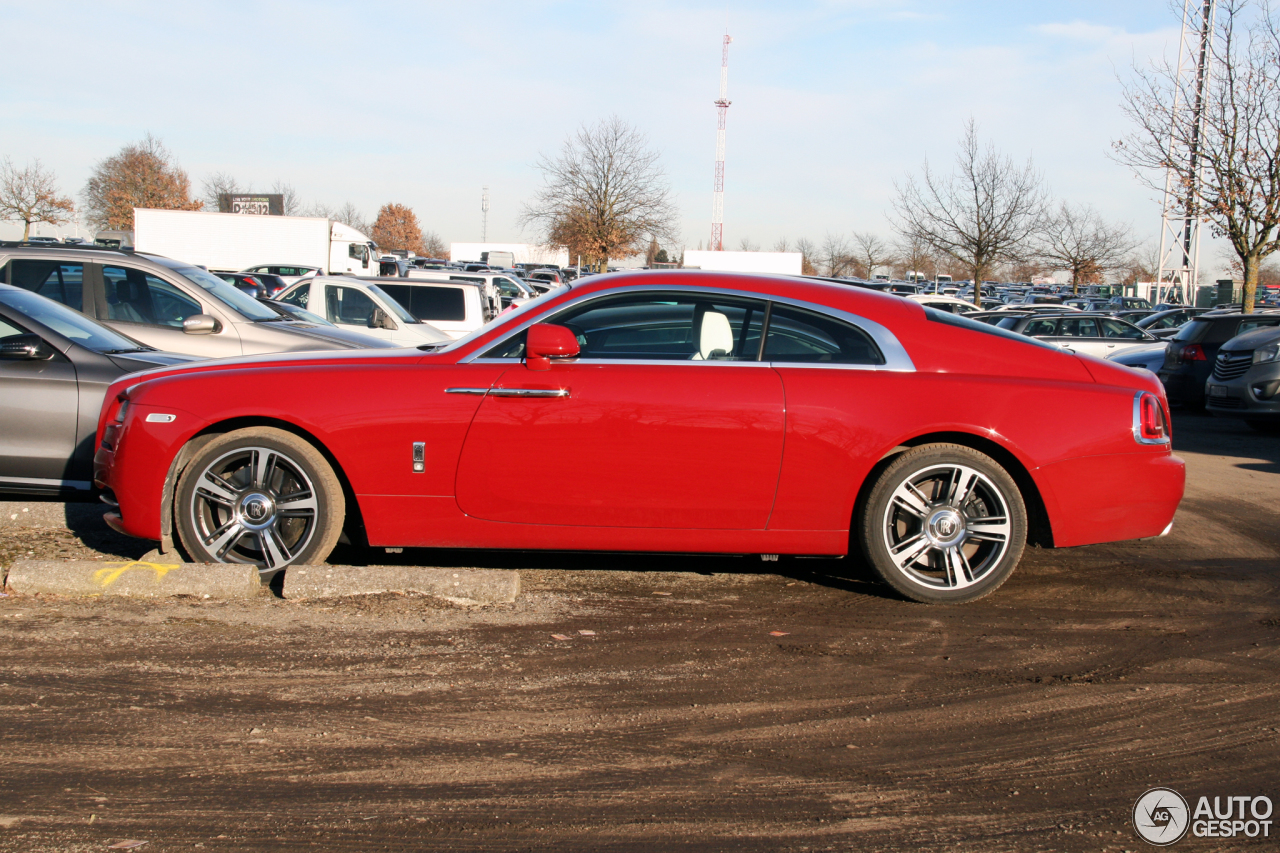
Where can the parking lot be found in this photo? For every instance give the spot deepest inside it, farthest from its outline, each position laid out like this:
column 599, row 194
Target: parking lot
column 627, row 702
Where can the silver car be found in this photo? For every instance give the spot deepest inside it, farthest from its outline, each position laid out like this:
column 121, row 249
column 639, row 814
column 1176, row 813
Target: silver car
column 167, row 304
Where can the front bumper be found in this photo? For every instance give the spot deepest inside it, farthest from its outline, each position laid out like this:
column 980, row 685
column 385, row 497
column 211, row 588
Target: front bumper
column 1255, row 395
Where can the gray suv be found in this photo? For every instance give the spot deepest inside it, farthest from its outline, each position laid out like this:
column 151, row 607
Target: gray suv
column 1245, row 382
column 167, row 304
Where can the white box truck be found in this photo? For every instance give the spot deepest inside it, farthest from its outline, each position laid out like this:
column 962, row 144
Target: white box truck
column 229, row 242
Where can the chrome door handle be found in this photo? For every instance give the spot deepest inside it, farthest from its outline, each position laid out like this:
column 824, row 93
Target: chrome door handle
column 476, row 392
column 529, row 392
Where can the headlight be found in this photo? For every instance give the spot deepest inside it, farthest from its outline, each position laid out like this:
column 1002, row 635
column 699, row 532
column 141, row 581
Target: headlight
column 1268, row 353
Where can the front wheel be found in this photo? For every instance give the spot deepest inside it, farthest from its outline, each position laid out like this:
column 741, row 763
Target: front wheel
column 944, row 524
column 261, row 496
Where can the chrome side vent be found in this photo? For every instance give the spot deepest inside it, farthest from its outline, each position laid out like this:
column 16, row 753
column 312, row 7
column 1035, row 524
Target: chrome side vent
column 419, row 457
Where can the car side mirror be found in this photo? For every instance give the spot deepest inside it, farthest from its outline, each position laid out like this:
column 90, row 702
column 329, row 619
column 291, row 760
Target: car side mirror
column 201, row 324
column 25, row 348
column 545, row 341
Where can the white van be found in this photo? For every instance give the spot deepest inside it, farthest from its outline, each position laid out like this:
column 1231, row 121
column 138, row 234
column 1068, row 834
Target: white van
column 363, row 306
column 501, row 289
column 456, row 308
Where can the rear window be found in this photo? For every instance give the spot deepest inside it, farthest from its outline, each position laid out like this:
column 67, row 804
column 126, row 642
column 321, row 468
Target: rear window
column 1193, row 331
column 974, row 326
column 443, row 304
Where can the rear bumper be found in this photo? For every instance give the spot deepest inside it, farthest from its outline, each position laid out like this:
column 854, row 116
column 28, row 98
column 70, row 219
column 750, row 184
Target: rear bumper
column 1113, row 498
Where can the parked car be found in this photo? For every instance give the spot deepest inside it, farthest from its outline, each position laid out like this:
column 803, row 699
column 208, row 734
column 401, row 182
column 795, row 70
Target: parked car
column 1194, row 349
column 1146, row 356
column 1094, row 334
column 673, row 395
column 362, row 305
column 950, row 304
column 291, row 273
column 1165, row 324
column 259, row 285
column 55, row 366
column 163, row 303
column 1245, row 382
column 456, row 308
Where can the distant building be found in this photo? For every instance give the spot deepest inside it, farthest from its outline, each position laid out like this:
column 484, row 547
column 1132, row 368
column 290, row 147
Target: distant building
column 524, row 253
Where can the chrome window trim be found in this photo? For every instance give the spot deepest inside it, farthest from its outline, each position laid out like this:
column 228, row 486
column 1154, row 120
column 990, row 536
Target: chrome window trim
column 895, row 355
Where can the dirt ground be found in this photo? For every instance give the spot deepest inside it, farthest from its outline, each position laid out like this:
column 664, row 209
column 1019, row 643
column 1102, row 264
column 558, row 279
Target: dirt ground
column 694, row 704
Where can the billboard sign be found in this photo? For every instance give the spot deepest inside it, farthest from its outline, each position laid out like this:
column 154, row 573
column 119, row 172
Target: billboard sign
column 255, row 204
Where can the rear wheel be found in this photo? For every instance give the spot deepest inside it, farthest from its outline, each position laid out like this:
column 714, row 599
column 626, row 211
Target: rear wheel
column 261, row 496
column 944, row 524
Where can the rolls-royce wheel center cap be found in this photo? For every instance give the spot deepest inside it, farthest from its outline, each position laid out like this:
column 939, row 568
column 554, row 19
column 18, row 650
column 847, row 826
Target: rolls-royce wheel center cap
column 945, row 527
column 256, row 510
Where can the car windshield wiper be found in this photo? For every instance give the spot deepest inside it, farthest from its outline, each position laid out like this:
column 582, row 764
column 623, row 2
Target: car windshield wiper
column 123, row 351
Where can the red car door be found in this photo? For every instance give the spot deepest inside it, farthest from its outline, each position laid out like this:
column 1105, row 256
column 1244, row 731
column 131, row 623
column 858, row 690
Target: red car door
column 654, row 425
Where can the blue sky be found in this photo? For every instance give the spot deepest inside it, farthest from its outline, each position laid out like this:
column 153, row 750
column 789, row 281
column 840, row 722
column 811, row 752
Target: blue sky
column 422, row 103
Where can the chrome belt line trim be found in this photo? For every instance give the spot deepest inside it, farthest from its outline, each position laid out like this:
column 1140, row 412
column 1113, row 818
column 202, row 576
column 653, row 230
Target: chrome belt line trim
column 476, row 392
column 895, row 355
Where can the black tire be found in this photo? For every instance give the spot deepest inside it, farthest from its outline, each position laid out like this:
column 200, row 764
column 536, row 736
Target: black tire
column 261, row 496
column 944, row 524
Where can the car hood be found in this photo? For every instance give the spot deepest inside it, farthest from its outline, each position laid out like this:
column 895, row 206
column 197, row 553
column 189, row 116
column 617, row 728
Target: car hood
column 1139, row 353
column 1252, row 339
column 330, row 334
column 280, row 359
column 132, row 362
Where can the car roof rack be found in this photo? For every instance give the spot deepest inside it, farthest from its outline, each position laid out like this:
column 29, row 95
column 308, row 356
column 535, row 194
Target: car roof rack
column 67, row 247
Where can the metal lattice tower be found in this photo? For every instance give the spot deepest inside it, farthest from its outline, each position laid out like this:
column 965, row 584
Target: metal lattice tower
column 484, row 216
column 717, row 196
column 1180, row 231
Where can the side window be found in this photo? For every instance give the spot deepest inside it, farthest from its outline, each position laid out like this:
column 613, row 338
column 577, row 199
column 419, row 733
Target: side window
column 1078, row 327
column 61, row 282
column 8, row 330
column 805, row 337
column 1250, row 325
column 671, row 326
column 444, row 304
column 134, row 296
column 348, row 305
column 298, row 296
column 1116, row 329
column 668, row 326
column 1040, row 327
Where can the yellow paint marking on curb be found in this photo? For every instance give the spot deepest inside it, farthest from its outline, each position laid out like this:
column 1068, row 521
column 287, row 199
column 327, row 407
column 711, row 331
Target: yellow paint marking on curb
column 106, row 577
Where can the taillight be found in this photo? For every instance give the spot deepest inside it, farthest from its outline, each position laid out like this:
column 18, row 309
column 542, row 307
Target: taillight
column 1193, row 352
column 1150, row 423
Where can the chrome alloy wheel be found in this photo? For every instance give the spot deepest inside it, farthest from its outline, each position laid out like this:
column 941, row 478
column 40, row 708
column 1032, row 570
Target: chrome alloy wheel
column 946, row 526
column 254, row 505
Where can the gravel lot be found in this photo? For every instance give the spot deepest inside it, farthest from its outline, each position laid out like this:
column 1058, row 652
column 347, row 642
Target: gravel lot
column 693, row 704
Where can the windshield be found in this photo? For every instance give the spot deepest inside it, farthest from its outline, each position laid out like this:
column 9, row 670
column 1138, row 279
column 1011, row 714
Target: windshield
column 298, row 313
column 396, row 307
column 506, row 318
column 238, row 301
column 66, row 322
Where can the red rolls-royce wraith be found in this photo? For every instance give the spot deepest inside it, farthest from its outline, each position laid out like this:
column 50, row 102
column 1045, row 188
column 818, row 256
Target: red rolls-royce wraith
column 657, row 411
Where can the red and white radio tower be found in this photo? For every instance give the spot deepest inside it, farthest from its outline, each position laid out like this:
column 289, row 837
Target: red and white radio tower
column 717, row 199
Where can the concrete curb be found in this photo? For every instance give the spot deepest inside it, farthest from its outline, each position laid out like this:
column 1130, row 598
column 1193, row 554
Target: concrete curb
column 134, row 578
column 467, row 586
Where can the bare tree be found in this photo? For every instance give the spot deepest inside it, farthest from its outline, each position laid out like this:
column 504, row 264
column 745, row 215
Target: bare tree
column 30, row 195
column 781, row 245
column 983, row 213
column 837, row 257
column 219, row 183
column 291, row 205
column 143, row 174
column 1077, row 240
column 915, row 256
column 604, row 195
column 349, row 215
column 746, row 244
column 871, row 251
column 1235, row 182
column 433, row 246
column 808, row 255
